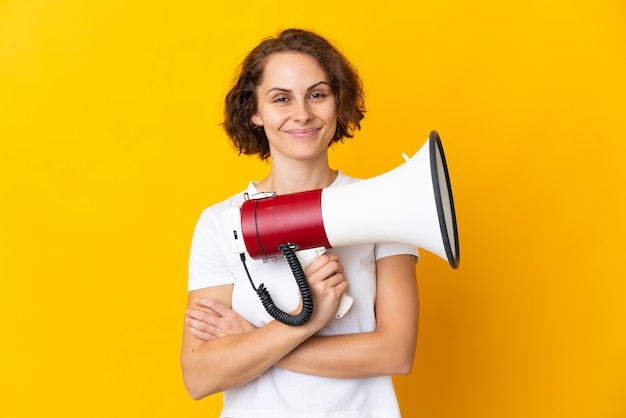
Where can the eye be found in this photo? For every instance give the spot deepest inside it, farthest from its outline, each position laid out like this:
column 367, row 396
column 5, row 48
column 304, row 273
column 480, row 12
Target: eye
column 317, row 96
column 281, row 99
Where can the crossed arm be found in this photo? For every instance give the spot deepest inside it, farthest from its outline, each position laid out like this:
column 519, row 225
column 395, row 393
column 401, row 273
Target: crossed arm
column 221, row 350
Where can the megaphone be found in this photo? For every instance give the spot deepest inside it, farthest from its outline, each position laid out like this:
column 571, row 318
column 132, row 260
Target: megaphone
column 412, row 204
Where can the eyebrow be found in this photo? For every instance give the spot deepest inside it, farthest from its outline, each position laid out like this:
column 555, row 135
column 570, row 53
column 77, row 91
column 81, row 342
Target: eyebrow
column 288, row 91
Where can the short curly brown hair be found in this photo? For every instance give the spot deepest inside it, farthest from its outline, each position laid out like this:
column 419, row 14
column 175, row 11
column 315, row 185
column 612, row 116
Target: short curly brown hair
column 241, row 100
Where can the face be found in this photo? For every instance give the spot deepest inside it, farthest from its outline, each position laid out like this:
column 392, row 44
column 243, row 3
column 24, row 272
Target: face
column 296, row 107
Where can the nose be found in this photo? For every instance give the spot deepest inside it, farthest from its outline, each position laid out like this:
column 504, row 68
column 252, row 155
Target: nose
column 302, row 112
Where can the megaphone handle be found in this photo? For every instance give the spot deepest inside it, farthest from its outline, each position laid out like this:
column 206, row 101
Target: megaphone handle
column 345, row 303
column 306, row 257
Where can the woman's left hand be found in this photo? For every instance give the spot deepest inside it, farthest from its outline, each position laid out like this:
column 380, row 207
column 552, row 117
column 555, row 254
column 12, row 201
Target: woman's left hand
column 213, row 319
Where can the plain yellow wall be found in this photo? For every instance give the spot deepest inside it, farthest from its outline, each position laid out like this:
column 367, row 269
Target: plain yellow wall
column 110, row 148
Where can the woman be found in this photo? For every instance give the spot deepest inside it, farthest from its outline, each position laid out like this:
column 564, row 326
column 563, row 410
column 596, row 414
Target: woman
column 295, row 96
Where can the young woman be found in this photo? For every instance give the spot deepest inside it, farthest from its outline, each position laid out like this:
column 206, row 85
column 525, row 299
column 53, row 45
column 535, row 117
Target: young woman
column 296, row 95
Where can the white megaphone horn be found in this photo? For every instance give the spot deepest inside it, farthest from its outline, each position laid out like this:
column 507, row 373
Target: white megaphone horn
column 412, row 204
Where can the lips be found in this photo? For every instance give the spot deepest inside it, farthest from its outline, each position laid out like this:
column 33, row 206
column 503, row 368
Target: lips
column 303, row 133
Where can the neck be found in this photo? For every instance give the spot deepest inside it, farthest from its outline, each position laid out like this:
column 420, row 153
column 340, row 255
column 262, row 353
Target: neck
column 293, row 179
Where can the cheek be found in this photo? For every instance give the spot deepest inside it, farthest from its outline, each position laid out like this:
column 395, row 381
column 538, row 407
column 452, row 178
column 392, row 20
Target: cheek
column 331, row 112
column 332, row 118
column 275, row 119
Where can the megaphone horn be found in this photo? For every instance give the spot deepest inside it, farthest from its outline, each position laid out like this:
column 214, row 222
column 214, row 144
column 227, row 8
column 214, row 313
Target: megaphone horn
column 411, row 204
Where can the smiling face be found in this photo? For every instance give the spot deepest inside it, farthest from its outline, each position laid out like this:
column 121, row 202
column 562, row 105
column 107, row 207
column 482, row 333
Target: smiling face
column 296, row 107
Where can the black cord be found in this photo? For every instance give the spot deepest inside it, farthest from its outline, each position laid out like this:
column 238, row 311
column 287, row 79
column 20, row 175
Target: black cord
column 289, row 251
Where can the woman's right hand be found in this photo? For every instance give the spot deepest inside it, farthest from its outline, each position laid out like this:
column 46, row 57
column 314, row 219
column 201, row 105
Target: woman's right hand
column 327, row 283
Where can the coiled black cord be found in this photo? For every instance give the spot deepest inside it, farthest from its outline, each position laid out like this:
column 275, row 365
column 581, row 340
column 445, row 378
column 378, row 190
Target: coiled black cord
column 289, row 251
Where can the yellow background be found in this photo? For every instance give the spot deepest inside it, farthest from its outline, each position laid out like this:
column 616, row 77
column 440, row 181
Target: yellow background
column 110, row 148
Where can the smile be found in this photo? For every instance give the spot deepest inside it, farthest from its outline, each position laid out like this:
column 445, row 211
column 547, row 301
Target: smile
column 303, row 133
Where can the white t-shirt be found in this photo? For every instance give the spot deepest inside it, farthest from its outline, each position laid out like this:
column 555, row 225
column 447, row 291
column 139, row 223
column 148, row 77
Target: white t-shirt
column 280, row 393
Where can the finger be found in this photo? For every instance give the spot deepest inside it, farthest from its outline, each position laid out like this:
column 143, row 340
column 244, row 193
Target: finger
column 321, row 261
column 214, row 304
column 204, row 328
column 204, row 321
column 328, row 270
column 201, row 315
column 343, row 287
column 336, row 280
column 201, row 335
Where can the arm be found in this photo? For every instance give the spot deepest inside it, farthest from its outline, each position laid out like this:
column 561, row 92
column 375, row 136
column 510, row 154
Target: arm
column 213, row 365
column 389, row 350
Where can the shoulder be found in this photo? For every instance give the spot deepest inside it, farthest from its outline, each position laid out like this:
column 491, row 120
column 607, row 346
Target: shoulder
column 210, row 254
column 216, row 211
column 343, row 179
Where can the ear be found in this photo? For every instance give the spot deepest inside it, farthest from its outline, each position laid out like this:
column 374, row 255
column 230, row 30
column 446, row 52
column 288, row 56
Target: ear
column 256, row 119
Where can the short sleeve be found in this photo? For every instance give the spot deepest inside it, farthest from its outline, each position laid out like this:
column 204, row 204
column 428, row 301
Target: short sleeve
column 386, row 250
column 208, row 264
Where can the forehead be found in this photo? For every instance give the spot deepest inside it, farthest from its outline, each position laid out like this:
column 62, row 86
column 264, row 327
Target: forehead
column 292, row 68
